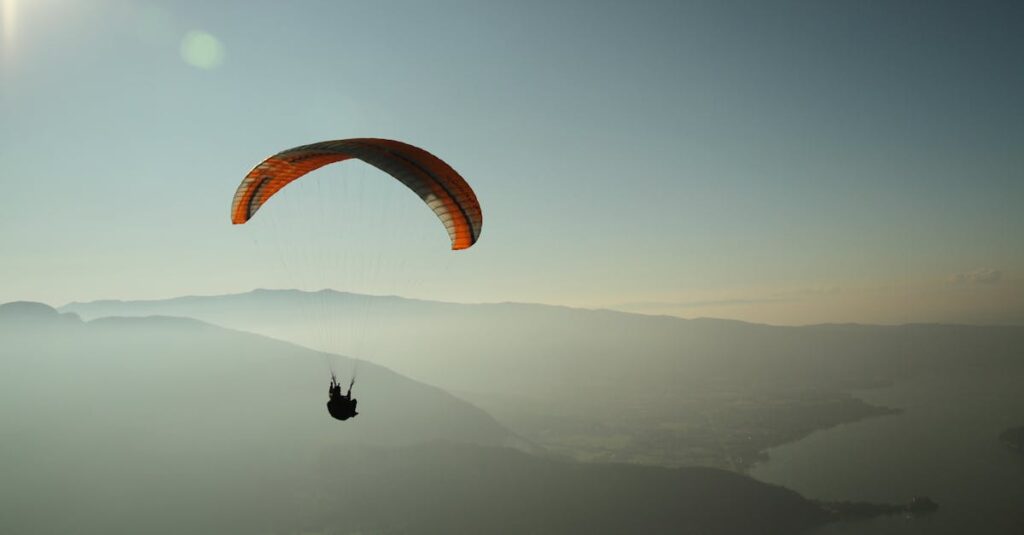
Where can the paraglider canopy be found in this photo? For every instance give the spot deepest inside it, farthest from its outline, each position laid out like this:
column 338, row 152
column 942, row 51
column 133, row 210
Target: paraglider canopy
column 433, row 180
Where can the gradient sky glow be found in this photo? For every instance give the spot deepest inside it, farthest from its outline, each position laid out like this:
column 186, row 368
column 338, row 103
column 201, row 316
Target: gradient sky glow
column 779, row 162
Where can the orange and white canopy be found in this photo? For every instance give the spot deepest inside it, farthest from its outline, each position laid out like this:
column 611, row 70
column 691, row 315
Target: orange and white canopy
column 444, row 191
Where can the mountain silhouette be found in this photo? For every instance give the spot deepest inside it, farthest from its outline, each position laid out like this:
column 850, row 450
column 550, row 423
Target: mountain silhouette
column 615, row 386
column 28, row 312
column 160, row 368
column 533, row 350
column 171, row 425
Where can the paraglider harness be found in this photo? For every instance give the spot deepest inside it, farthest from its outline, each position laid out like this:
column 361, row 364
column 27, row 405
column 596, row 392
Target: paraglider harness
column 341, row 406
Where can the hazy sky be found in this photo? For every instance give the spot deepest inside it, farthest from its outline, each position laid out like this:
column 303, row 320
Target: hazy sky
column 781, row 162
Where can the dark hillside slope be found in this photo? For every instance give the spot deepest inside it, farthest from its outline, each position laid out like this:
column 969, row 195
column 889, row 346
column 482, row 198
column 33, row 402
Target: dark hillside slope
column 169, row 425
column 442, row 491
column 158, row 370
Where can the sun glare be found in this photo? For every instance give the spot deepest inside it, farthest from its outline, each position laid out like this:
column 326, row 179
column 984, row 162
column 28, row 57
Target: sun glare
column 8, row 14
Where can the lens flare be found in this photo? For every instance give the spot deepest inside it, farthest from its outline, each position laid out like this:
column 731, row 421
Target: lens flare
column 202, row 50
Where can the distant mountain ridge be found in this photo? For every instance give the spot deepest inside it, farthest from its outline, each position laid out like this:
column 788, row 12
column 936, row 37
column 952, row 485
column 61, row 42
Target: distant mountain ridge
column 614, row 386
column 166, row 424
column 29, row 311
column 476, row 337
column 252, row 372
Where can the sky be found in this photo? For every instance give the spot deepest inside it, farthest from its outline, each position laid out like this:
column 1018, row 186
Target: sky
column 777, row 162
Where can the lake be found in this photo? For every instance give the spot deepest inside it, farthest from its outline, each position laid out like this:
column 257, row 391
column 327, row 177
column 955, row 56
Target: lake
column 943, row 445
